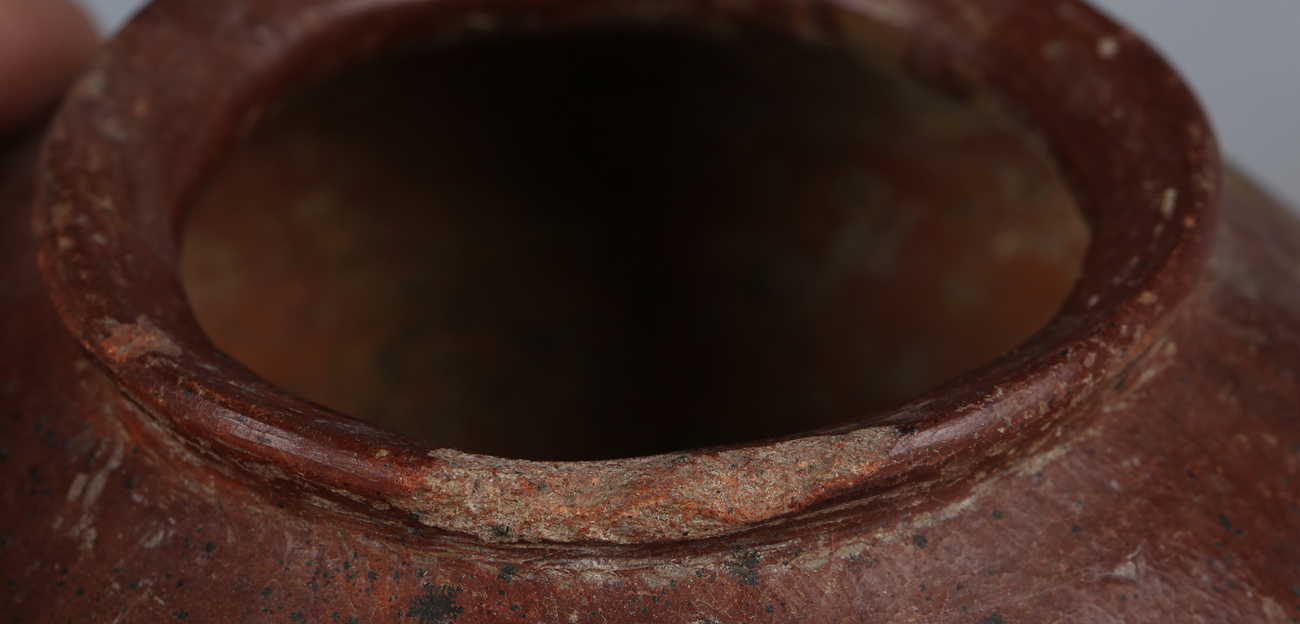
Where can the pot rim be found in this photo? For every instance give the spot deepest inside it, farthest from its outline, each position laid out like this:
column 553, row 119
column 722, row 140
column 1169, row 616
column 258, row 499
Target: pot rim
column 177, row 88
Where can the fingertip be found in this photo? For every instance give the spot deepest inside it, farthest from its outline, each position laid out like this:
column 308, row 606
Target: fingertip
column 44, row 44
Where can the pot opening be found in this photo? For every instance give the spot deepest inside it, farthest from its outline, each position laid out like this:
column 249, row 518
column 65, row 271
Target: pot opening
column 625, row 241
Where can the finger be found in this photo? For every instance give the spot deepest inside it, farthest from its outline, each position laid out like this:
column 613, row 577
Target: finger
column 44, row 44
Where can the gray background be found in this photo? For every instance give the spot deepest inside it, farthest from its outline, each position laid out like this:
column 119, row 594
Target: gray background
column 1241, row 56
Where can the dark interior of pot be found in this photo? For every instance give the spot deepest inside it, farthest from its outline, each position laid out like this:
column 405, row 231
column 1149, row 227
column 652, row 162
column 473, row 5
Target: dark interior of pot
column 626, row 241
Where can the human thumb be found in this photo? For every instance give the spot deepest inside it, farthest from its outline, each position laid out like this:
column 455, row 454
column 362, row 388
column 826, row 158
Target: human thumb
column 44, row 44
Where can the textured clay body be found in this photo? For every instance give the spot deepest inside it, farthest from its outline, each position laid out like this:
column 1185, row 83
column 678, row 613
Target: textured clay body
column 1136, row 459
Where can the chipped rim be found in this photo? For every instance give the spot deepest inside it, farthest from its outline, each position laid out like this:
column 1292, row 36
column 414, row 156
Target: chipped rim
column 178, row 87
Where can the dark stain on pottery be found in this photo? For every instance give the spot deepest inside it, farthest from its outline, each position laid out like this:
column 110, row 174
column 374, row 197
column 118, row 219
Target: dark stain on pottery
column 1227, row 525
column 743, row 565
column 436, row 607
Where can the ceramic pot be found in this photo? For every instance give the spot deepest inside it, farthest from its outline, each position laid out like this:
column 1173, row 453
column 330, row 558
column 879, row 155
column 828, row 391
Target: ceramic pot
column 892, row 310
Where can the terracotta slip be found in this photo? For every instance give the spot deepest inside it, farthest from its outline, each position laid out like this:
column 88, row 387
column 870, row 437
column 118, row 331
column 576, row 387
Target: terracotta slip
column 892, row 310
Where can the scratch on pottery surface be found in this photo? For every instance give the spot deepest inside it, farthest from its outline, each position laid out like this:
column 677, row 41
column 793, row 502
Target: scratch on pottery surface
column 1168, row 202
column 78, row 484
column 96, row 485
column 89, row 488
column 153, row 540
column 1126, row 571
column 1166, row 355
column 1038, row 461
column 139, row 338
column 1274, row 611
column 907, row 528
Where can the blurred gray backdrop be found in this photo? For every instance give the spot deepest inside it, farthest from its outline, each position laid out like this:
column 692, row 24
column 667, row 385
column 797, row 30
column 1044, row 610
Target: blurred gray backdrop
column 1241, row 56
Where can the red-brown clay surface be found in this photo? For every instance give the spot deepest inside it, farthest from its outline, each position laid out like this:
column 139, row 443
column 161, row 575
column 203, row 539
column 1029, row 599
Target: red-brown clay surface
column 679, row 242
column 1134, row 460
